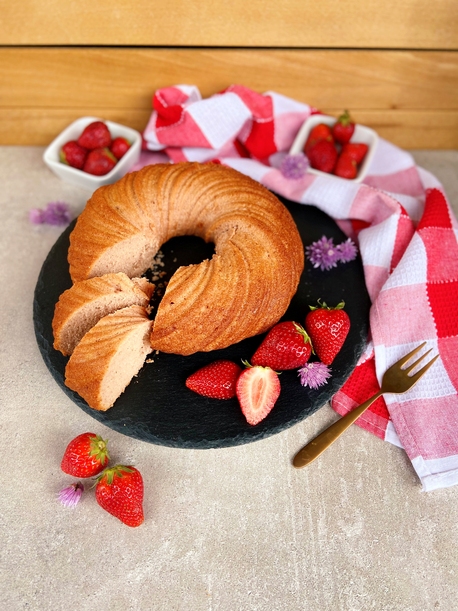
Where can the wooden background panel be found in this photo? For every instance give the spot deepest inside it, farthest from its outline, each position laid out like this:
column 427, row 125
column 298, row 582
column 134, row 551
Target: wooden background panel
column 44, row 89
column 127, row 78
column 256, row 23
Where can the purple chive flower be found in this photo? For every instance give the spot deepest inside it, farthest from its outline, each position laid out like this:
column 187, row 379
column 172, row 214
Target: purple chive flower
column 347, row 251
column 294, row 166
column 314, row 374
column 55, row 213
column 70, row 495
column 323, row 253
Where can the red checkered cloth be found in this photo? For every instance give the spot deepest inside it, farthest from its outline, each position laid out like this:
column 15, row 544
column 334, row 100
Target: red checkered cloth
column 407, row 236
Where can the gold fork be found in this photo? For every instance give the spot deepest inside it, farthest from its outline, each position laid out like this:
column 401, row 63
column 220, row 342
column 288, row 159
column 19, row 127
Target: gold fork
column 396, row 380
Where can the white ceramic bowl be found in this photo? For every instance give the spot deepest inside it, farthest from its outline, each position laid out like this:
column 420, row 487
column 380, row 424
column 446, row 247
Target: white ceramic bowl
column 83, row 179
column 361, row 134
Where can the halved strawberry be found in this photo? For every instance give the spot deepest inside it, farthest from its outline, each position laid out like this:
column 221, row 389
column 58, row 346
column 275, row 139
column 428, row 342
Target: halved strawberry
column 216, row 380
column 258, row 389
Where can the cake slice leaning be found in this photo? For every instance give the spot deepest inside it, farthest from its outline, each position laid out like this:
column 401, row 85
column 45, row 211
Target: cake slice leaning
column 109, row 356
column 80, row 307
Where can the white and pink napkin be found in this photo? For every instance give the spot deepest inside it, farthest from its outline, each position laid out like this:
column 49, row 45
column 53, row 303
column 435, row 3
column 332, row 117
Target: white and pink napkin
column 407, row 236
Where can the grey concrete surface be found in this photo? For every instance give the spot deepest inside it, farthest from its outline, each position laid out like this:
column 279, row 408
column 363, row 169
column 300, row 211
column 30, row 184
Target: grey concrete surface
column 235, row 529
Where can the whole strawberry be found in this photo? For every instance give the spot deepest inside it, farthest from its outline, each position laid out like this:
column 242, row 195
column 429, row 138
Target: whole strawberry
column 355, row 150
column 286, row 346
column 323, row 156
column 317, row 133
column 119, row 147
column 328, row 329
column 258, row 389
column 95, row 135
column 346, row 167
column 119, row 490
column 73, row 154
column 343, row 128
column 216, row 380
column 85, row 456
column 99, row 162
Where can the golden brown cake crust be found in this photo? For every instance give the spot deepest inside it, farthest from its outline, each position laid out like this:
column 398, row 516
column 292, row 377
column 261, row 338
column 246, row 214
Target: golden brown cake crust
column 243, row 290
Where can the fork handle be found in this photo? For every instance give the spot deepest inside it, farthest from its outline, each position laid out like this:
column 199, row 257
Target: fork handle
column 318, row 445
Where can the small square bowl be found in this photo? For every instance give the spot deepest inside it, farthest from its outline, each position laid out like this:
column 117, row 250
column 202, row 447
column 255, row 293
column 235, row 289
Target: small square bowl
column 363, row 134
column 83, row 179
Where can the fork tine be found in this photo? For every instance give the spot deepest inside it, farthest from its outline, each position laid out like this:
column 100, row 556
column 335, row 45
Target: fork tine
column 405, row 358
column 417, row 376
column 417, row 362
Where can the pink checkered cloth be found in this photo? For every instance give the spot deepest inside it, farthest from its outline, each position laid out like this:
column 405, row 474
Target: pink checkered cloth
column 406, row 234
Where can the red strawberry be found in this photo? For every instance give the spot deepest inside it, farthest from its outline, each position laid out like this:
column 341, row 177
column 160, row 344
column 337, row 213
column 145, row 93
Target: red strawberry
column 286, row 346
column 85, row 456
column 343, row 128
column 328, row 329
column 119, row 490
column 216, row 380
column 96, row 135
column 346, row 167
column 73, row 154
column 99, row 162
column 317, row 133
column 355, row 150
column 323, row 156
column 119, row 147
column 258, row 389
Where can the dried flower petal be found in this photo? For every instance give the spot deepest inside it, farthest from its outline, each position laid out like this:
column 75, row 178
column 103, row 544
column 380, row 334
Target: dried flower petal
column 70, row 495
column 36, row 216
column 294, row 166
column 347, row 251
column 55, row 213
column 323, row 253
column 314, row 374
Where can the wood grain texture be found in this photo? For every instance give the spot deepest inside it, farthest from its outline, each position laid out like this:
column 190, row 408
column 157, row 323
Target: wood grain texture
column 258, row 23
column 42, row 90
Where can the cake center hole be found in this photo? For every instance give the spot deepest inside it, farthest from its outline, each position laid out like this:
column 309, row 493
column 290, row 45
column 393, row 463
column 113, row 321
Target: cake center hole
column 177, row 252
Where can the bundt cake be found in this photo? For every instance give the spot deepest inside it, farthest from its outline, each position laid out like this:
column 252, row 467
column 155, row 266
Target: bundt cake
column 86, row 302
column 241, row 291
column 109, row 355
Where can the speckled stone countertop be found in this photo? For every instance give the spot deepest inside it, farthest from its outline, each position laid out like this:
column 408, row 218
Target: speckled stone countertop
column 234, row 529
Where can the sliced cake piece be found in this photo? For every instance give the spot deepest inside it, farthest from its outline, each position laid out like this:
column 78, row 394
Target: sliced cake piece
column 109, row 356
column 86, row 302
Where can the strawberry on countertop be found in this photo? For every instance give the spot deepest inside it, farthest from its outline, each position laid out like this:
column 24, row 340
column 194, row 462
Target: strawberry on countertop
column 85, row 456
column 286, row 346
column 216, row 380
column 328, row 329
column 119, row 490
column 258, row 389
column 343, row 128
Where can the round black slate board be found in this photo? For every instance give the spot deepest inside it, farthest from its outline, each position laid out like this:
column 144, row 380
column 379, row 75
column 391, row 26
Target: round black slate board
column 158, row 408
